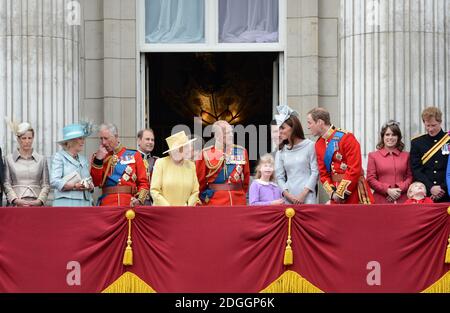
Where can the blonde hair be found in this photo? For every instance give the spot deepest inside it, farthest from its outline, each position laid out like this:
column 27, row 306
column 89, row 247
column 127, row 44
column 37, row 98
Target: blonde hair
column 266, row 158
column 68, row 144
column 410, row 189
column 432, row 112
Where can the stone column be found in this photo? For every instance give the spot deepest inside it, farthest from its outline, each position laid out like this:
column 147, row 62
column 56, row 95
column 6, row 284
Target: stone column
column 39, row 69
column 395, row 60
column 312, row 55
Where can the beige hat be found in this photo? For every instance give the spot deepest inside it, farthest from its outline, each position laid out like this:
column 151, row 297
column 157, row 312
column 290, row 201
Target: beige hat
column 178, row 140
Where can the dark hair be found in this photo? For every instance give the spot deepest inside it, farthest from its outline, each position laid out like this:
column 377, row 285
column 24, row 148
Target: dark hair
column 297, row 131
column 395, row 128
column 273, row 122
column 320, row 114
column 140, row 134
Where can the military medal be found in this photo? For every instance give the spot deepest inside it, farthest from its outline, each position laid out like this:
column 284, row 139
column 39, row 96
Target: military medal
column 134, row 177
column 445, row 149
column 114, row 160
column 339, row 156
column 126, row 177
column 128, row 170
column 344, row 166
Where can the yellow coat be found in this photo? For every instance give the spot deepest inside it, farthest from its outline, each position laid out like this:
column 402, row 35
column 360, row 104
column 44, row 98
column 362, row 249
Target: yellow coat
column 174, row 185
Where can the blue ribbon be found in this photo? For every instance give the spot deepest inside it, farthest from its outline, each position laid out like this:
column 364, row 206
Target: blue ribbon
column 331, row 149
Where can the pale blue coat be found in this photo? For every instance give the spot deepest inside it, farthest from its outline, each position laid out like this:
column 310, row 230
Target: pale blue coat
column 64, row 164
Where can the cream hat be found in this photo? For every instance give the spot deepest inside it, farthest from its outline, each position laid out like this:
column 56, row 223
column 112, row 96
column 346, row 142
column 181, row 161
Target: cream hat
column 19, row 129
column 178, row 140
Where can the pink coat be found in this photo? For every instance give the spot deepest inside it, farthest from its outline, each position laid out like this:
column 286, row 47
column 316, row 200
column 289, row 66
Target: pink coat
column 388, row 170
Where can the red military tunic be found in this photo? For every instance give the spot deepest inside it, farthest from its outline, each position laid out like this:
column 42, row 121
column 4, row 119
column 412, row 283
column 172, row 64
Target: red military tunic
column 346, row 178
column 134, row 176
column 219, row 185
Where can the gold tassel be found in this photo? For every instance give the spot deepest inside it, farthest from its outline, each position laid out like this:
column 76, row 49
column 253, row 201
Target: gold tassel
column 128, row 255
column 288, row 253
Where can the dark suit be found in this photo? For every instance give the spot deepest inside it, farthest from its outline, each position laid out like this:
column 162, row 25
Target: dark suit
column 433, row 172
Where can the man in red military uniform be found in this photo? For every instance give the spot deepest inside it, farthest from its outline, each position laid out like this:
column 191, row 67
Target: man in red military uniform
column 339, row 160
column 120, row 172
column 223, row 170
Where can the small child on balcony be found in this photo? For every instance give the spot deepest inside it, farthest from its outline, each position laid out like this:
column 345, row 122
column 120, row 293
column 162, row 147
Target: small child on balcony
column 263, row 190
column 417, row 193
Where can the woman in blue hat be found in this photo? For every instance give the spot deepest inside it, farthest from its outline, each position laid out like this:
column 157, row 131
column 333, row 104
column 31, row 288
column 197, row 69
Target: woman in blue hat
column 69, row 173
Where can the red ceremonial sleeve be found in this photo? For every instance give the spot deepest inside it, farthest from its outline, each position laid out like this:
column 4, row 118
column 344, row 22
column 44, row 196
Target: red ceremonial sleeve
column 352, row 151
column 97, row 171
column 200, row 168
column 142, row 181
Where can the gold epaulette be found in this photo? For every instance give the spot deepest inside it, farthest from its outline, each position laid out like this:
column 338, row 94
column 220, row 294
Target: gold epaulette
column 418, row 136
column 238, row 146
column 343, row 130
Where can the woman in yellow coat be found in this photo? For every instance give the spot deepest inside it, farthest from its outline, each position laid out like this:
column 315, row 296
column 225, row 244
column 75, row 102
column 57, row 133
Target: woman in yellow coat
column 174, row 180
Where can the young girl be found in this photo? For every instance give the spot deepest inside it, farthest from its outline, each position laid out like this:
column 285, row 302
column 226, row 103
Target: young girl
column 417, row 193
column 263, row 191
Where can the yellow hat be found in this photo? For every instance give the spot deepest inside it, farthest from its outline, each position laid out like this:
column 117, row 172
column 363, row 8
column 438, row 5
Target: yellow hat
column 178, row 140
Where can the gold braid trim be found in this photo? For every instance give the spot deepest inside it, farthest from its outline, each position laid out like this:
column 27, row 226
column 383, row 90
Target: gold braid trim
column 328, row 188
column 342, row 189
column 108, row 167
column 142, row 195
column 212, row 168
column 429, row 154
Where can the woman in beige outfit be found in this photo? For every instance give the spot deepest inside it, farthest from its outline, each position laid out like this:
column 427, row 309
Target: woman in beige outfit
column 26, row 171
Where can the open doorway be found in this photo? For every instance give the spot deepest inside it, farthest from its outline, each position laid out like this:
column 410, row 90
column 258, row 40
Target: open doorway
column 237, row 87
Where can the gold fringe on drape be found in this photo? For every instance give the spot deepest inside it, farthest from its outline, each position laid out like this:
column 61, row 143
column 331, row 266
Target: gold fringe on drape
column 291, row 282
column 441, row 286
column 447, row 253
column 129, row 283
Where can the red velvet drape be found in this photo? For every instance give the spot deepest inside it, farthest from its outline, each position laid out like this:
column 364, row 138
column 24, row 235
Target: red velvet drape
column 224, row 249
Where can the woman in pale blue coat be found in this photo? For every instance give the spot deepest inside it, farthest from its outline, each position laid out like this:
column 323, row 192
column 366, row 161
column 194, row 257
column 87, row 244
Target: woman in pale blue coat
column 69, row 173
column 296, row 163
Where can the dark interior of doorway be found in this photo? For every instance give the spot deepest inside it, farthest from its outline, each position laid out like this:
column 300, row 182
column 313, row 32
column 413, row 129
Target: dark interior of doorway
column 241, row 82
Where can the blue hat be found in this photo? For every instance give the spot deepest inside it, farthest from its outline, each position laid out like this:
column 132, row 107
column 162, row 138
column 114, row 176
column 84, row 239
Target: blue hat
column 73, row 131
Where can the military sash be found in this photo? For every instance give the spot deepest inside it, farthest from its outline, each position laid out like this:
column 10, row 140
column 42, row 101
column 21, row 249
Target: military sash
column 229, row 165
column 119, row 169
column 332, row 147
column 429, row 154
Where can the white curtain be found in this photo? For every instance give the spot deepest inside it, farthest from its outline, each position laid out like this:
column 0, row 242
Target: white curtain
column 174, row 21
column 248, row 20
